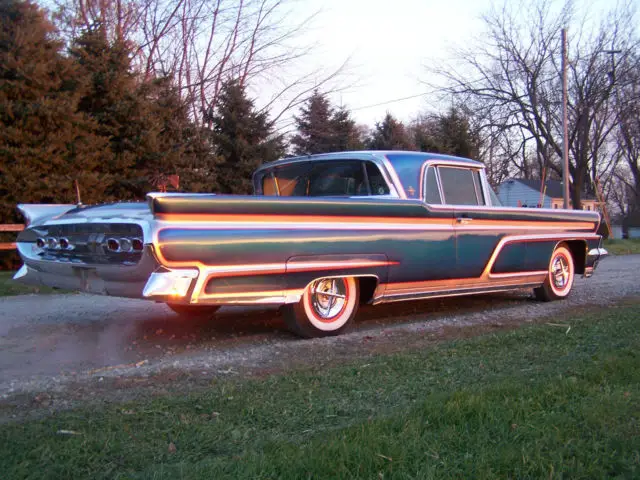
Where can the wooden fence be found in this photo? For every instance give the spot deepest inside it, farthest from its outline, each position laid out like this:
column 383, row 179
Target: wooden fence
column 11, row 227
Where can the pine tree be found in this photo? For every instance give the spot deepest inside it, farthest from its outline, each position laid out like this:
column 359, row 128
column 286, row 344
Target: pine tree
column 111, row 98
column 345, row 132
column 390, row 134
column 316, row 127
column 457, row 135
column 448, row 133
column 45, row 143
column 243, row 139
column 146, row 123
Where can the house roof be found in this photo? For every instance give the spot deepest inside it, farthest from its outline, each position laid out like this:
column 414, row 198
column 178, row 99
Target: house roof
column 554, row 187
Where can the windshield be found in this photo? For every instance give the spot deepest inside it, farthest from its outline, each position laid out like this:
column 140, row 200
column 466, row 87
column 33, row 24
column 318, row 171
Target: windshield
column 324, row 179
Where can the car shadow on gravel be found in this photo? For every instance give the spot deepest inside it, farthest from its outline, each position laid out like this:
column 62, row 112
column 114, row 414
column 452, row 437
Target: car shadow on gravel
column 242, row 325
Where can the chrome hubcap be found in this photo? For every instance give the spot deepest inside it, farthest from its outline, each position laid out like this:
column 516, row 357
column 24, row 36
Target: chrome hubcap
column 328, row 297
column 560, row 273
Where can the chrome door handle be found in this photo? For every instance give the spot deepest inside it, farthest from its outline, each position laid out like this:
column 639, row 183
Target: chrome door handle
column 463, row 220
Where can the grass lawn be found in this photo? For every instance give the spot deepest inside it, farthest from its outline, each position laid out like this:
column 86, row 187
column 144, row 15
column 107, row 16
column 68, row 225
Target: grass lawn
column 9, row 287
column 547, row 401
column 620, row 246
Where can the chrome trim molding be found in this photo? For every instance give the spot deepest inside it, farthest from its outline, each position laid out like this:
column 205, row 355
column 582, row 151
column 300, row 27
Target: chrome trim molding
column 486, row 282
column 284, row 296
column 22, row 272
column 598, row 252
column 172, row 283
column 400, row 297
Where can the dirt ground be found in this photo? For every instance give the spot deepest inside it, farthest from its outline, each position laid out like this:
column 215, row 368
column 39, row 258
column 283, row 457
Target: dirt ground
column 59, row 351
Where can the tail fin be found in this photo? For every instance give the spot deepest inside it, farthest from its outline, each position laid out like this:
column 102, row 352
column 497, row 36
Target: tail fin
column 35, row 214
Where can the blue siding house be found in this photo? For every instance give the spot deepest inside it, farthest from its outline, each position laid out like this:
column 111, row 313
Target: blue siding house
column 519, row 192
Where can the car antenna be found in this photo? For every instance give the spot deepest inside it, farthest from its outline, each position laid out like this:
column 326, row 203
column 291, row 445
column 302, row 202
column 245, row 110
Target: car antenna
column 79, row 200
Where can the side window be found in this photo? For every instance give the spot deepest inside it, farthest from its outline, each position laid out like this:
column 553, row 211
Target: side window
column 477, row 183
column 377, row 183
column 432, row 194
column 287, row 181
column 458, row 186
column 337, row 179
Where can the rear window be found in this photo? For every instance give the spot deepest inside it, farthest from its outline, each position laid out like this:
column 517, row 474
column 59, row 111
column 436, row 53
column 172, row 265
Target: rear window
column 460, row 186
column 325, row 179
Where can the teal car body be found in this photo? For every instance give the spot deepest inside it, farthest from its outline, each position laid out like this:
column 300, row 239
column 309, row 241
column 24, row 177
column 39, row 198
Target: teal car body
column 384, row 226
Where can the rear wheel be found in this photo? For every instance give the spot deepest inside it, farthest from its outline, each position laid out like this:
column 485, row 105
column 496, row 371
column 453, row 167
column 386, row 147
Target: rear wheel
column 327, row 308
column 193, row 311
column 559, row 280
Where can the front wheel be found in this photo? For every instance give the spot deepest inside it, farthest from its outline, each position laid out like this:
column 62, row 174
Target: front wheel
column 193, row 311
column 559, row 280
column 327, row 308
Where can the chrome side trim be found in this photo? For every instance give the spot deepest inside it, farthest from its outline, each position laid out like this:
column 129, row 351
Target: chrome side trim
column 486, row 282
column 172, row 283
column 22, row 272
column 444, row 225
column 598, row 252
column 395, row 180
column 200, row 296
column 453, row 293
column 523, row 238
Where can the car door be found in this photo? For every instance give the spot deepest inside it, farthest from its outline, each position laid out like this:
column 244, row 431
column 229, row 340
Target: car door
column 434, row 249
column 476, row 234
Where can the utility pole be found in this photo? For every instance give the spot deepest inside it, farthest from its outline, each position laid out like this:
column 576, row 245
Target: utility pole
column 565, row 127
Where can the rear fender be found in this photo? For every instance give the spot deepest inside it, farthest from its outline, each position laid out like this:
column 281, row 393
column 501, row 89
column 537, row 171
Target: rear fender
column 371, row 268
column 36, row 214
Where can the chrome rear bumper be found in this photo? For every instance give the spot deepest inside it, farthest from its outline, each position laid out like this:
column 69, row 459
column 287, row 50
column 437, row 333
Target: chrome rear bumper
column 115, row 280
column 598, row 252
column 593, row 257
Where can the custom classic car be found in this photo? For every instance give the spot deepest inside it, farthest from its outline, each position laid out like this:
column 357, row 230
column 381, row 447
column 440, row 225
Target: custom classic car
column 322, row 235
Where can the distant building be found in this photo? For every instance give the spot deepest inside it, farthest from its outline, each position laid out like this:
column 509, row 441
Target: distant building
column 518, row 192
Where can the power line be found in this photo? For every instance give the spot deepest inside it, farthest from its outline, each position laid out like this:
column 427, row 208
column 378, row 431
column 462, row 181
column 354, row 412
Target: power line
column 395, row 100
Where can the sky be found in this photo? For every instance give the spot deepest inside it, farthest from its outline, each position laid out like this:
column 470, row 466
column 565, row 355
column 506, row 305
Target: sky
column 388, row 44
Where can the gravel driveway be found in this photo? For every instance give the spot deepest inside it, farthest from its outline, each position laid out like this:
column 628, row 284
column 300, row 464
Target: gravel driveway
column 49, row 342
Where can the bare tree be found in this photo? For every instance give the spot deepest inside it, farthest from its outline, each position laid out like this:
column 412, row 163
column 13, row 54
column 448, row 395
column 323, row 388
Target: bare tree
column 201, row 43
column 626, row 178
column 511, row 80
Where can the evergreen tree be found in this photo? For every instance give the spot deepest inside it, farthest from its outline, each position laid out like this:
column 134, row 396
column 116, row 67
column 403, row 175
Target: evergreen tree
column 146, row 124
column 345, row 132
column 111, row 97
column 449, row 133
column 45, row 143
column 316, row 127
column 457, row 134
column 243, row 139
column 322, row 128
column 425, row 133
column 390, row 134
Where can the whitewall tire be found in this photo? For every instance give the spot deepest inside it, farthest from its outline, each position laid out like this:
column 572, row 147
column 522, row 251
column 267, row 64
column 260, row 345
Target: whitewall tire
column 327, row 307
column 559, row 280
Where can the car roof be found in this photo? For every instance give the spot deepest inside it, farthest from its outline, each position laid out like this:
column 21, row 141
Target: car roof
column 371, row 154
